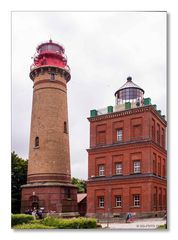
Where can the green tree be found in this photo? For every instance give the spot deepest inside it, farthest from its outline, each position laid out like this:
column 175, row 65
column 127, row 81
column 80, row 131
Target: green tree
column 81, row 184
column 18, row 178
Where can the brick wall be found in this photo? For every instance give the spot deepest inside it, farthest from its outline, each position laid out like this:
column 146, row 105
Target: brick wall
column 142, row 144
column 51, row 198
column 50, row 161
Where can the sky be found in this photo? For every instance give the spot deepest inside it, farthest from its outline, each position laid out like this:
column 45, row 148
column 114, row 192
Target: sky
column 103, row 49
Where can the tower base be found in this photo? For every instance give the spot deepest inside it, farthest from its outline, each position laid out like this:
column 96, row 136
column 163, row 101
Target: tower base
column 58, row 199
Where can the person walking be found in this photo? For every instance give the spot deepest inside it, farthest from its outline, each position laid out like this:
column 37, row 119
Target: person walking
column 129, row 216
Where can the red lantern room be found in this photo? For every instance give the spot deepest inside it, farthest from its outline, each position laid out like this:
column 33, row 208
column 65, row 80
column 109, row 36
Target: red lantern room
column 50, row 54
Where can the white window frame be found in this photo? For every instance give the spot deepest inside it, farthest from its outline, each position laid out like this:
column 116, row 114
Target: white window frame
column 119, row 135
column 101, row 202
column 118, row 167
column 101, row 170
column 137, row 166
column 118, row 201
column 136, row 200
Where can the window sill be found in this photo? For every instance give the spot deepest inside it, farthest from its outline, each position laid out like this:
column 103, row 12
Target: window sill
column 69, row 199
column 36, row 147
column 135, row 206
column 117, row 207
column 135, row 173
column 118, row 141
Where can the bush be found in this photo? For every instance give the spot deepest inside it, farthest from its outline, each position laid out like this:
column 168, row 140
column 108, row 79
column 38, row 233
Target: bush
column 23, row 221
column 33, row 226
column 20, row 218
column 74, row 223
column 51, row 221
column 162, row 226
column 38, row 221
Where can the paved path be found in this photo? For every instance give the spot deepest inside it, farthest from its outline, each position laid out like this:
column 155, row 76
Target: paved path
column 149, row 223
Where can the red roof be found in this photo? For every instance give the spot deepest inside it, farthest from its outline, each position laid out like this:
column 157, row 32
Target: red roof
column 81, row 196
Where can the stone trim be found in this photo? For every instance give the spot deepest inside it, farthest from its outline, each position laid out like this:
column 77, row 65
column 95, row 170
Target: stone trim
column 49, row 88
column 50, row 69
column 49, row 81
column 125, row 113
column 47, row 184
column 124, row 144
column 124, row 177
column 48, row 177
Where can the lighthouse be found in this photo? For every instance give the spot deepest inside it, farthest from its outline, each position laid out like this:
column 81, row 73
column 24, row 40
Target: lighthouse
column 127, row 157
column 49, row 184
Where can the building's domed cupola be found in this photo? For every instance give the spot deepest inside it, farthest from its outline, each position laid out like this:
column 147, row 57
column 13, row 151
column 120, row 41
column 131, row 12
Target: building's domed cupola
column 129, row 92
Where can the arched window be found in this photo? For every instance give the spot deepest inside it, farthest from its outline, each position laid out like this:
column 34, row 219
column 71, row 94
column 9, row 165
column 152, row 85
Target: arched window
column 52, row 76
column 37, row 142
column 67, row 193
column 65, row 127
column 34, row 198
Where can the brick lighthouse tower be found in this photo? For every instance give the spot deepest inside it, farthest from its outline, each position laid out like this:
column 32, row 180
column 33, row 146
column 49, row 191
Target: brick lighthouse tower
column 49, row 177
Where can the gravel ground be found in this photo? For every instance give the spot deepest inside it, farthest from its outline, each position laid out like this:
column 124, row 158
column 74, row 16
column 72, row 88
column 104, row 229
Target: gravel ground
column 149, row 223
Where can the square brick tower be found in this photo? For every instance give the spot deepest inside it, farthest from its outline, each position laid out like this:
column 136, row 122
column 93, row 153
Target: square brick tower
column 127, row 157
column 49, row 179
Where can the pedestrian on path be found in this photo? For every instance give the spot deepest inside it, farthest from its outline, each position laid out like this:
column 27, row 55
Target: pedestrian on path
column 128, row 218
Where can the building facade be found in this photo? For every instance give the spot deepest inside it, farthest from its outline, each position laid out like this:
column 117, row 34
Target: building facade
column 49, row 177
column 127, row 157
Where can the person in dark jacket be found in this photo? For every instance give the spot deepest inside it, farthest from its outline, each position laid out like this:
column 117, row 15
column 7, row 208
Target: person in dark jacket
column 129, row 216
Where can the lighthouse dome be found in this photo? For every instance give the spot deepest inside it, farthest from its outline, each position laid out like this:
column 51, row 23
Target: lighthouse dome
column 129, row 92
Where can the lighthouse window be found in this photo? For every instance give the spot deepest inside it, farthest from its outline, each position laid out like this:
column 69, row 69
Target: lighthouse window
column 119, row 135
column 118, row 201
column 52, row 76
column 136, row 200
column 101, row 202
column 65, row 127
column 118, row 168
column 67, row 193
column 37, row 142
column 101, row 170
column 137, row 167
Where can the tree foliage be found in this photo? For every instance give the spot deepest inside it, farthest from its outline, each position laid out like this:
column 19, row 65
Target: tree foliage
column 18, row 178
column 81, row 184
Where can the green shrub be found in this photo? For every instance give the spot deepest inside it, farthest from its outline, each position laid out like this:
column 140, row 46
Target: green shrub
column 51, row 221
column 33, row 226
column 23, row 221
column 20, row 218
column 163, row 226
column 74, row 223
column 37, row 221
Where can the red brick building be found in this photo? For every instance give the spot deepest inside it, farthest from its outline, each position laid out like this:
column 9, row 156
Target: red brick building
column 49, row 178
column 127, row 157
